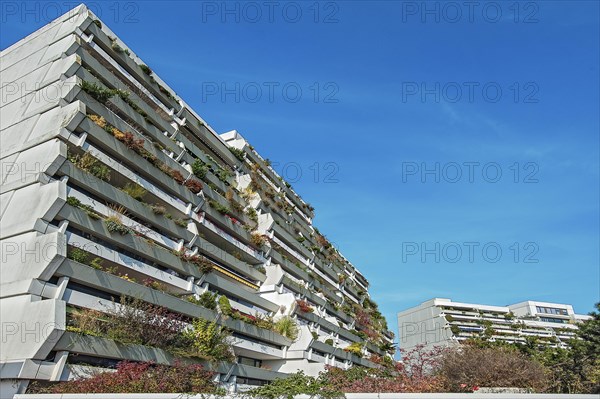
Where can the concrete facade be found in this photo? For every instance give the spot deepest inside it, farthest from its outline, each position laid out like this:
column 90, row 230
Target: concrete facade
column 265, row 254
column 442, row 322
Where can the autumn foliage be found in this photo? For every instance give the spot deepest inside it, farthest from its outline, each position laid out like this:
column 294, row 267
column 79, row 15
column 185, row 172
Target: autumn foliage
column 140, row 378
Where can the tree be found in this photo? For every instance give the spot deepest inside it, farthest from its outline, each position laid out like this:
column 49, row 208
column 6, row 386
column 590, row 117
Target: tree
column 502, row 366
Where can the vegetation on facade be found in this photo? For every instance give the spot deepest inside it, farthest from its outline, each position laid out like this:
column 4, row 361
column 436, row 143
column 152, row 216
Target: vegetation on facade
column 137, row 146
column 140, row 378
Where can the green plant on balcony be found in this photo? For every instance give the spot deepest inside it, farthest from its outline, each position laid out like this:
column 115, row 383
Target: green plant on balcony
column 225, row 305
column 207, row 300
column 252, row 215
column 449, row 318
column 114, row 224
column 287, row 327
column 222, row 209
column 146, row 69
column 315, row 335
column 230, row 197
column 355, row 348
column 166, row 92
column 135, row 191
column 224, row 175
column 181, row 223
column 258, row 239
column 154, row 284
column 210, row 339
column 78, row 255
column 509, row 316
column 98, row 92
column 329, row 341
column 158, row 209
column 115, row 46
column 263, row 321
column 200, row 168
column 238, row 153
column 91, row 165
column 455, row 329
column 387, row 347
column 300, row 239
column 96, row 263
column 89, row 210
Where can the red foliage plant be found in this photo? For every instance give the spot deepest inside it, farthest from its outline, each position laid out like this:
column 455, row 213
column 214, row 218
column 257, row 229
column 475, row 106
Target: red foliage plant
column 177, row 176
column 129, row 140
column 140, row 378
column 416, row 374
column 304, row 306
column 193, row 185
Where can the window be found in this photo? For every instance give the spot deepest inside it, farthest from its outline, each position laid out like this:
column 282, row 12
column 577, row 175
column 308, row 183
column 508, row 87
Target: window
column 247, row 361
column 552, row 320
column 547, row 310
column 251, row 381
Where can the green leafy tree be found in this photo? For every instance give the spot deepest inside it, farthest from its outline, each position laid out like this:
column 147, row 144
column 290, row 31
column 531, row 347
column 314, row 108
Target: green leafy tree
column 209, row 339
column 295, row 384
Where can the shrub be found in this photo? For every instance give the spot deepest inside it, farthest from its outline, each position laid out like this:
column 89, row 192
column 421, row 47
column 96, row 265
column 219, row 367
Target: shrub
column 224, row 175
column 135, row 191
column 222, row 209
column 305, row 306
column 155, row 285
column 329, row 341
column 258, row 239
column 199, row 169
column 210, row 339
column 141, row 378
column 287, row 327
column 91, row 165
column 78, row 255
column 225, row 305
column 238, row 153
column 354, row 348
column 115, row 225
column 176, row 175
column 490, row 367
column 251, row 212
column 146, row 69
column 207, row 300
column 139, row 322
column 203, row 263
column 98, row 92
column 294, row 384
column 193, row 185
column 181, row 223
column 263, row 321
column 158, row 209
column 115, row 46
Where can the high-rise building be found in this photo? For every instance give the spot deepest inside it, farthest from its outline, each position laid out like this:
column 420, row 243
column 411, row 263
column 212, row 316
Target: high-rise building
column 113, row 187
column 440, row 321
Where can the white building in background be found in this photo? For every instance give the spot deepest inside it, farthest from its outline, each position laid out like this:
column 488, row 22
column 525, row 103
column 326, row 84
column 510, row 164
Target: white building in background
column 440, row 321
column 111, row 180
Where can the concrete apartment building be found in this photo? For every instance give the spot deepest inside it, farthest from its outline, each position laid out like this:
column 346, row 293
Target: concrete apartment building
column 440, row 321
column 70, row 158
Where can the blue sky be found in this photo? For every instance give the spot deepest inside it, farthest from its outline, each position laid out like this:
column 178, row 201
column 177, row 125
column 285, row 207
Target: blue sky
column 379, row 68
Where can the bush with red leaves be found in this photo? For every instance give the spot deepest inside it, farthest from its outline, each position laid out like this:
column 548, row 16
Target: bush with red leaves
column 304, row 306
column 193, row 185
column 140, row 378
